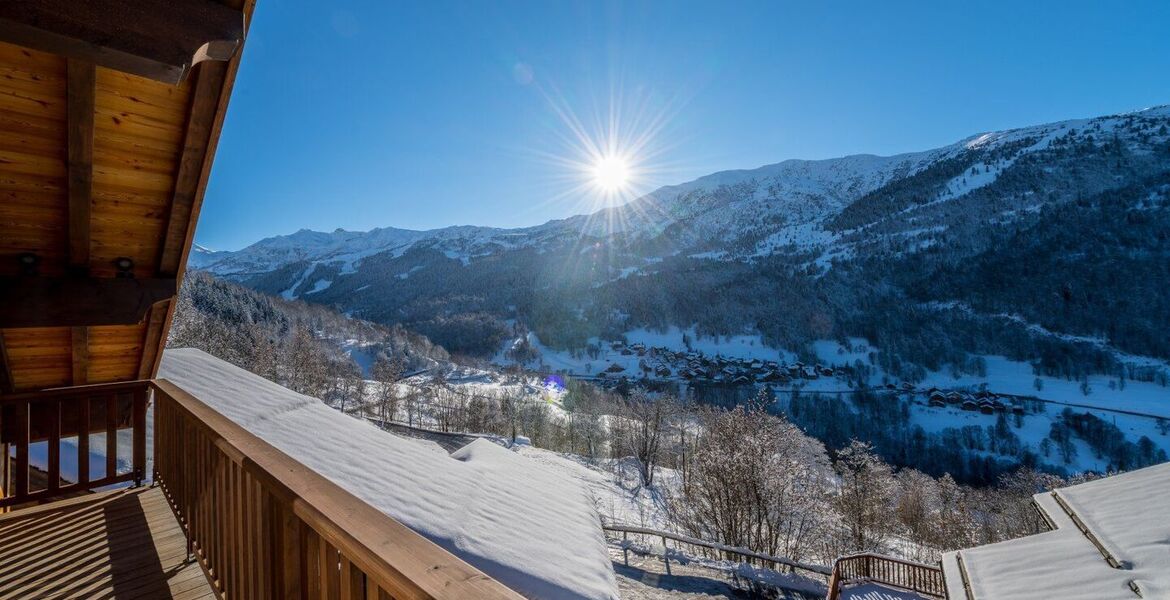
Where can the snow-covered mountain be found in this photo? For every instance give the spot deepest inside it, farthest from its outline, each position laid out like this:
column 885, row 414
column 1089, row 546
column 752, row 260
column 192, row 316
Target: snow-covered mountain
column 794, row 251
column 787, row 203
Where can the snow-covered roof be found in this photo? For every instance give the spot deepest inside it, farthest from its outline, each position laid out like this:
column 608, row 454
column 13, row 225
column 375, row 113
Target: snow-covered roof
column 1125, row 544
column 528, row 527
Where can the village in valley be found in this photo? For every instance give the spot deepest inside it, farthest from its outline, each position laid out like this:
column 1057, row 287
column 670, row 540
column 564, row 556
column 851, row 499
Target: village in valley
column 637, row 363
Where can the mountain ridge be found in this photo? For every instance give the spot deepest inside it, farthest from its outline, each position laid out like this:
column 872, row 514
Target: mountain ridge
column 793, row 251
column 726, row 177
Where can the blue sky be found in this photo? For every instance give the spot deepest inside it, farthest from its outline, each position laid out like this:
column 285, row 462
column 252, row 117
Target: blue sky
column 362, row 114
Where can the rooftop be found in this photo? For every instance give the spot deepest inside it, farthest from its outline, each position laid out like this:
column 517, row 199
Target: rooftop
column 1111, row 539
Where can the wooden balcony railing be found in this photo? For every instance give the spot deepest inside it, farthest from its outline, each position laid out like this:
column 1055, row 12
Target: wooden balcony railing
column 713, row 550
column 48, row 417
column 265, row 526
column 923, row 579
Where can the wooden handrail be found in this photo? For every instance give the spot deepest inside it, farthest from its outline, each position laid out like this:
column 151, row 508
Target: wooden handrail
column 917, row 577
column 52, row 415
column 65, row 393
column 686, row 539
column 265, row 525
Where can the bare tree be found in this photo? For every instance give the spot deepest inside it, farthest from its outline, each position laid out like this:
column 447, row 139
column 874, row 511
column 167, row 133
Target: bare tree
column 647, row 420
column 916, row 506
column 412, row 403
column 307, row 363
column 387, row 372
column 510, row 406
column 756, row 481
column 865, row 498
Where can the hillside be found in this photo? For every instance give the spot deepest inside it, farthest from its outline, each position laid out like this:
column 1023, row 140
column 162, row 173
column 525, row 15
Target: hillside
column 310, row 348
column 1024, row 243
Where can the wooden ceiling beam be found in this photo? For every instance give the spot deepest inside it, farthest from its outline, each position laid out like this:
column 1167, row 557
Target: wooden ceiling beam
column 208, row 105
column 79, row 113
column 154, row 338
column 194, row 162
column 80, row 90
column 157, row 39
column 221, row 90
column 79, row 301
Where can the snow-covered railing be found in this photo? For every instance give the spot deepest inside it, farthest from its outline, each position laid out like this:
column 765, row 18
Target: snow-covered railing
column 36, row 422
column 265, row 526
column 923, row 579
column 748, row 556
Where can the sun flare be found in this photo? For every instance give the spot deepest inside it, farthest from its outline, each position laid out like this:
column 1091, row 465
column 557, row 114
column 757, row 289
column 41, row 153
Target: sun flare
column 611, row 173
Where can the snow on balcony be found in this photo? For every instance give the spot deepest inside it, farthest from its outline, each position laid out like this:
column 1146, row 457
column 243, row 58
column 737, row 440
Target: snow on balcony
column 529, row 528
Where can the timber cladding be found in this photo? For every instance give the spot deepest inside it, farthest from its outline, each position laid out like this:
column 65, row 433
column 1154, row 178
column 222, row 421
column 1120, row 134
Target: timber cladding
column 102, row 174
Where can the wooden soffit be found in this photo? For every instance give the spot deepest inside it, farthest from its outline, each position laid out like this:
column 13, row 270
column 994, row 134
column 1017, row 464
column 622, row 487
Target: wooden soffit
column 156, row 39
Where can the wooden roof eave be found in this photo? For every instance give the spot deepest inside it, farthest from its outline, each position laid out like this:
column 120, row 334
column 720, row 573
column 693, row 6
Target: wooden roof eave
column 157, row 39
column 104, row 114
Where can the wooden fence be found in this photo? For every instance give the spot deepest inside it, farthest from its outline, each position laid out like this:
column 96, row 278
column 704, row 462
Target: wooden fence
column 715, row 550
column 50, row 416
column 265, row 526
column 923, row 579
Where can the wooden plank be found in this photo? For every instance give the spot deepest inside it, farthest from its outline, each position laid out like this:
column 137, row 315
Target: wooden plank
column 5, row 471
column 353, row 581
column 314, row 577
column 156, row 39
column 111, row 435
column 79, row 100
column 83, row 422
column 54, row 443
column 330, row 571
column 124, row 93
column 78, row 301
column 289, row 552
column 139, row 435
column 155, row 322
column 21, row 449
column 124, row 543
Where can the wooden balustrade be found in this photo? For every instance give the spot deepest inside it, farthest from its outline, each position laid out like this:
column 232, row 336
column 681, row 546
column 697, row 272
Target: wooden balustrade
column 50, row 416
column 265, row 526
column 715, row 550
column 926, row 580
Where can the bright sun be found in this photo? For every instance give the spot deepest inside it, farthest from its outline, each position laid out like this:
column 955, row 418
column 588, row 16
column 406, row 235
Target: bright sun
column 611, row 173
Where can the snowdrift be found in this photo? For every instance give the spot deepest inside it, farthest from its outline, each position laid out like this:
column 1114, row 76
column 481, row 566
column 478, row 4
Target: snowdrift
column 532, row 529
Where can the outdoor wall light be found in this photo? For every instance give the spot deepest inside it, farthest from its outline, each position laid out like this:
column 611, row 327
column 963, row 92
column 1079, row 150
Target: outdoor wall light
column 124, row 266
column 29, row 263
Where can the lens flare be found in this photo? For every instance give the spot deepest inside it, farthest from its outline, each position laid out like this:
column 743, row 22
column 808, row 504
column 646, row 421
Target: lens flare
column 600, row 154
column 611, row 174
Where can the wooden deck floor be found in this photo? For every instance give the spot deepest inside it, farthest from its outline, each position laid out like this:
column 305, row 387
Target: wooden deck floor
column 119, row 544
